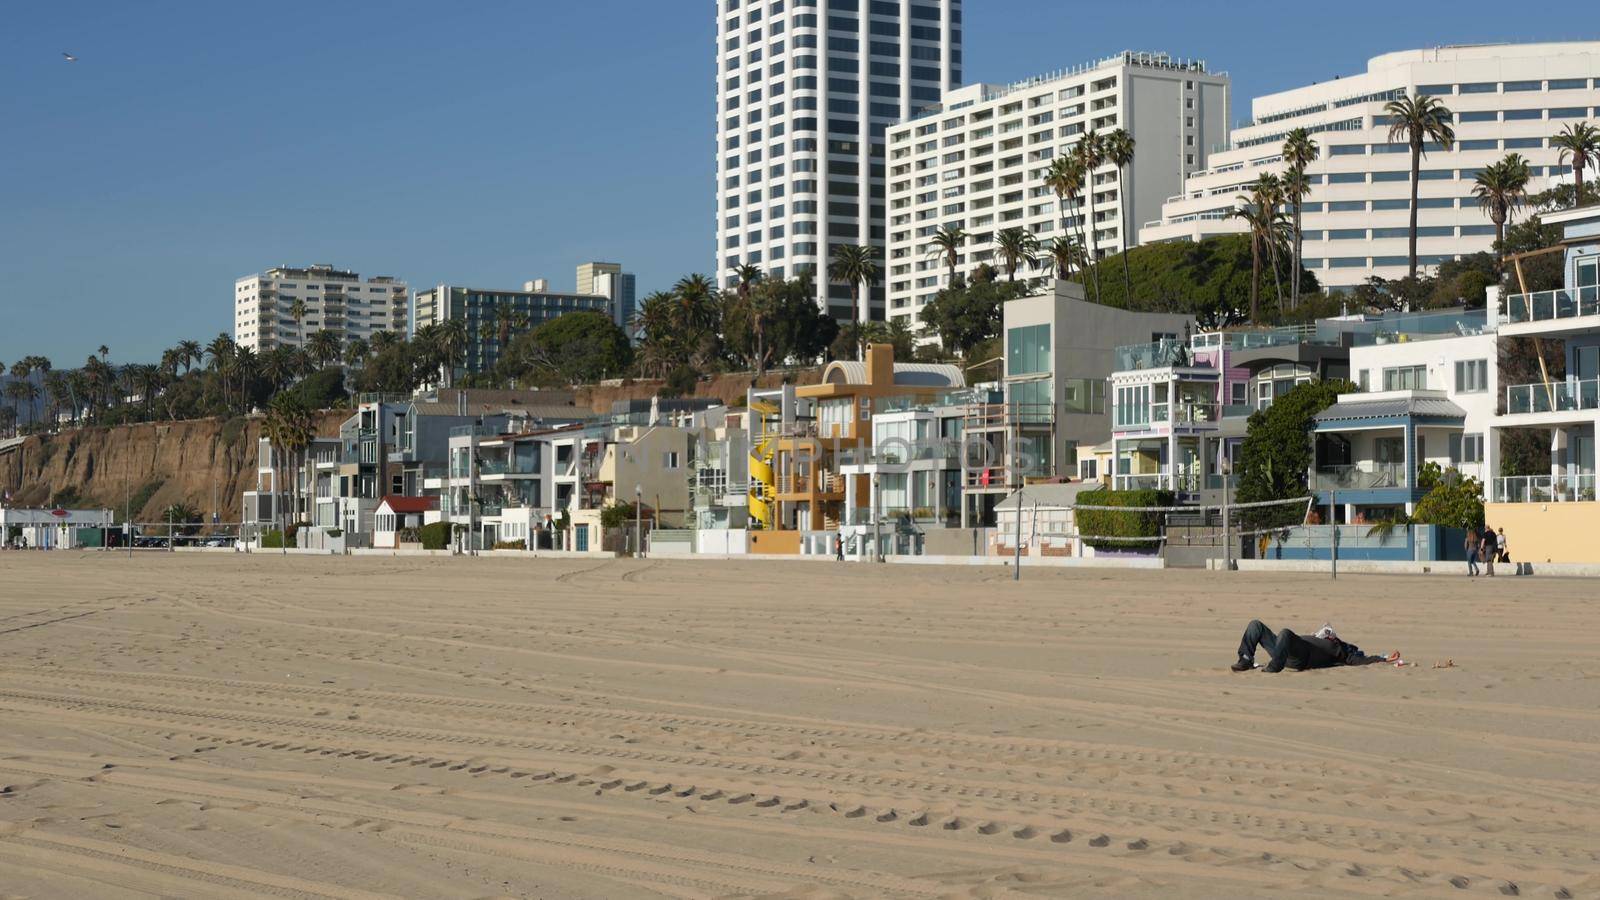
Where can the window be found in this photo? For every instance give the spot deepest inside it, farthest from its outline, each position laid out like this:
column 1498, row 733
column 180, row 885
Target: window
column 1405, row 378
column 1364, row 379
column 1472, row 376
column 1028, row 350
column 1466, row 448
column 670, row 459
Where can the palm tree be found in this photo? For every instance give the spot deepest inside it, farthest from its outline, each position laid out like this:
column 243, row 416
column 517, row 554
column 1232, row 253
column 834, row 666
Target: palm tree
column 355, row 352
column 1267, row 192
column 288, row 427
column 1299, row 151
column 1266, row 225
column 1015, row 246
column 1064, row 178
column 325, row 347
column 221, row 350
column 1119, row 145
column 1580, row 143
column 297, row 311
column 751, row 303
column 1501, row 188
column 854, row 265
column 1061, row 255
column 1414, row 120
column 245, row 366
column 1092, row 150
column 947, row 242
column 190, row 352
column 695, row 298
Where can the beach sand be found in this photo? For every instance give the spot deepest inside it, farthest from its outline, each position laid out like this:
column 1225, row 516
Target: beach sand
column 244, row 726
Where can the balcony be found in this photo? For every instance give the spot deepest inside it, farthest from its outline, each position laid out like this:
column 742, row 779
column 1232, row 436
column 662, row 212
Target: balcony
column 1544, row 489
column 1364, row 477
column 1552, row 306
column 1557, row 396
column 1185, row 413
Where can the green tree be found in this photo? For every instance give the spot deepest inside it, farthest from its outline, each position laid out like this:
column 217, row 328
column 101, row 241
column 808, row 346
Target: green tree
column 1500, row 188
column 856, row 265
column 1580, row 143
column 1299, row 152
column 1415, row 120
column 577, row 348
column 966, row 315
column 1452, row 500
column 1276, row 456
column 1119, row 149
column 297, row 311
column 947, row 242
column 1065, row 178
column 1015, row 246
column 289, row 427
column 1091, row 149
column 325, row 347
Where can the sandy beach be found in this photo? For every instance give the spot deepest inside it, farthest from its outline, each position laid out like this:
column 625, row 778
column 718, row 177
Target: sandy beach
column 232, row 726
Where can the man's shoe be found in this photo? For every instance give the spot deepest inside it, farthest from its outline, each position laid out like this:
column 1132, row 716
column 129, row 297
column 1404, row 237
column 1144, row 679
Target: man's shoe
column 1243, row 665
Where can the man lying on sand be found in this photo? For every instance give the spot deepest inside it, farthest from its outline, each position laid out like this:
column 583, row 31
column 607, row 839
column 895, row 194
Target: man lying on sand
column 1322, row 650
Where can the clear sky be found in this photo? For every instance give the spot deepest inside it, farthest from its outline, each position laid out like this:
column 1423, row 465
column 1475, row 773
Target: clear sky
column 482, row 142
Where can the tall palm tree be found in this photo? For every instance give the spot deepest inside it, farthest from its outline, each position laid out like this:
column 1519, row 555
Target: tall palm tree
column 297, row 311
column 1299, row 152
column 288, row 427
column 947, row 242
column 1266, row 226
column 1500, row 189
column 1065, row 178
column 1119, row 147
column 1092, row 150
column 1267, row 192
column 695, row 297
column 1415, row 120
column 855, row 265
column 753, row 309
column 1015, row 246
column 1579, row 142
column 221, row 350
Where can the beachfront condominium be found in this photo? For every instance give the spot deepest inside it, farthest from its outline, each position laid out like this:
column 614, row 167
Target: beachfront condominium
column 805, row 91
column 352, row 307
column 494, row 318
column 1505, row 98
column 608, row 280
column 978, row 162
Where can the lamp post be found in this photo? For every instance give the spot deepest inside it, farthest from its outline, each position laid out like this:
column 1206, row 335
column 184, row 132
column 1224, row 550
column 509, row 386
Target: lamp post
column 1227, row 537
column 638, row 520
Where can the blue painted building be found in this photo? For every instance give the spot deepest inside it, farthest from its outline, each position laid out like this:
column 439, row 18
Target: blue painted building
column 1369, row 447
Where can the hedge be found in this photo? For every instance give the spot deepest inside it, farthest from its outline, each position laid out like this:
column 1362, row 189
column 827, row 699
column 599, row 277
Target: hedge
column 1106, row 523
column 435, row 536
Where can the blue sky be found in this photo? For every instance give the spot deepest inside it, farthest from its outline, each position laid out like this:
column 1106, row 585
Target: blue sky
column 483, row 142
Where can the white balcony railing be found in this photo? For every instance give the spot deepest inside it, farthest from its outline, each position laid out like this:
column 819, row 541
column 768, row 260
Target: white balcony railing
column 1553, row 306
column 1545, row 489
column 1557, row 396
column 1364, row 477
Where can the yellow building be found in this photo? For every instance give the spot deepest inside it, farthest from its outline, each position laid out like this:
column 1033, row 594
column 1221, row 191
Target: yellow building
column 808, row 432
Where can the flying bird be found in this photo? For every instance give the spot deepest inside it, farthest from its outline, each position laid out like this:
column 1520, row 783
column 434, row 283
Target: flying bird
column 69, row 56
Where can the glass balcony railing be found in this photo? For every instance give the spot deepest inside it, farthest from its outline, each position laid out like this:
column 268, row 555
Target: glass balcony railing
column 1556, row 396
column 1364, row 477
column 1552, row 306
column 1545, row 489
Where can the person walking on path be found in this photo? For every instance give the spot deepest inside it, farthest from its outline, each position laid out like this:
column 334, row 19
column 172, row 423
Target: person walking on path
column 1505, row 551
column 838, row 546
column 1490, row 550
column 1473, row 544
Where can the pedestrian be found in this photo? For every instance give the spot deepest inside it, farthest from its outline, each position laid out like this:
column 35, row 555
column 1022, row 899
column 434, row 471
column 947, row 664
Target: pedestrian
column 838, row 546
column 1505, row 551
column 1490, row 550
column 1473, row 543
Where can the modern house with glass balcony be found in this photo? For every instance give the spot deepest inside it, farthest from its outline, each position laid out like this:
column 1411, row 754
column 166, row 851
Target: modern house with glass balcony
column 1369, row 447
column 1554, row 515
column 1058, row 350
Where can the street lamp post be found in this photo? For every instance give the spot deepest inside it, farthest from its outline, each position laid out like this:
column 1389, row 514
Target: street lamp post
column 638, row 520
column 1227, row 535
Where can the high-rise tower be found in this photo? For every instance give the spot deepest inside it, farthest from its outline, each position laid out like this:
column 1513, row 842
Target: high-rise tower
column 805, row 91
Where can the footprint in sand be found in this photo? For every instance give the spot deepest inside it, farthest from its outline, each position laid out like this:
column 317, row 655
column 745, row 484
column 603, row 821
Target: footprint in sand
column 1100, row 841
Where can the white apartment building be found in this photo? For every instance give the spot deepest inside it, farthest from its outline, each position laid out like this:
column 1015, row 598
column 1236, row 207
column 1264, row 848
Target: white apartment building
column 340, row 301
column 978, row 161
column 805, row 91
column 1506, row 98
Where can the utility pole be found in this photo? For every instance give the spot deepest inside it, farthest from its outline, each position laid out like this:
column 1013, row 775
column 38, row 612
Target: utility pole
column 1333, row 524
column 638, row 519
column 1016, row 565
column 1227, row 536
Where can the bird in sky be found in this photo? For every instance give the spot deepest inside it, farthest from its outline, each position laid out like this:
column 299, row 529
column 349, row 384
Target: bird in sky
column 69, row 56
